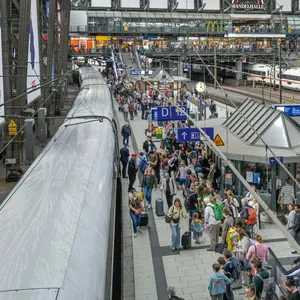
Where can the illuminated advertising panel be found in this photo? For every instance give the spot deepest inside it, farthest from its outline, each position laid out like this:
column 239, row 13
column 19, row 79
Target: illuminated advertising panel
column 211, row 4
column 101, row 3
column 158, row 4
column 1, row 81
column 130, row 3
column 186, row 4
column 33, row 67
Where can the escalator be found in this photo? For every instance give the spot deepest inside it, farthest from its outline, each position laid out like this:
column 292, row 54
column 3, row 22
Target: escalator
column 282, row 269
column 137, row 58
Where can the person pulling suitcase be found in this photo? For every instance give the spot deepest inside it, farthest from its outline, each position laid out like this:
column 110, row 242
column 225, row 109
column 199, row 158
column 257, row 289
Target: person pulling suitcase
column 176, row 214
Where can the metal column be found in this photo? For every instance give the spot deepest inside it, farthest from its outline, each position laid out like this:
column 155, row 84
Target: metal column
column 29, row 141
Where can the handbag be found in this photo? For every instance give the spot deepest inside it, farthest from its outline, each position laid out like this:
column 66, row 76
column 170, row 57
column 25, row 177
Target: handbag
column 168, row 219
column 221, row 247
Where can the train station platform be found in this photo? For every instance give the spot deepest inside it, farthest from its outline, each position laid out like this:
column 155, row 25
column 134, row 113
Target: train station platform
column 150, row 263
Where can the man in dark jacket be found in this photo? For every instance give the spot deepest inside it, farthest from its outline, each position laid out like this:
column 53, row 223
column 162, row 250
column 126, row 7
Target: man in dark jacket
column 124, row 153
column 296, row 226
column 132, row 170
column 126, row 133
column 148, row 145
column 261, row 274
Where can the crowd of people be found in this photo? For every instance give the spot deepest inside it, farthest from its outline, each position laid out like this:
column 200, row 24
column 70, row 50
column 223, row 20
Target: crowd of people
column 187, row 171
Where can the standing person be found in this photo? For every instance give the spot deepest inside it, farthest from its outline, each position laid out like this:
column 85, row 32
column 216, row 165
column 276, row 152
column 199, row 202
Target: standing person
column 148, row 145
column 227, row 224
column 291, row 219
column 168, row 187
column 135, row 209
column 257, row 280
column 132, row 170
column 250, row 293
column 296, row 226
column 182, row 173
column 124, row 152
column 259, row 250
column 278, row 186
column 136, row 108
column 125, row 109
column 217, row 283
column 149, row 182
column 288, row 195
column 292, row 289
column 197, row 228
column 131, row 110
column 212, row 224
column 176, row 212
column 142, row 165
column 172, row 293
column 126, row 133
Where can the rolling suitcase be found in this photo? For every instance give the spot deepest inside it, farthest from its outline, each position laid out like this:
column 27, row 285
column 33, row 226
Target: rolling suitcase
column 144, row 217
column 159, row 207
column 186, row 240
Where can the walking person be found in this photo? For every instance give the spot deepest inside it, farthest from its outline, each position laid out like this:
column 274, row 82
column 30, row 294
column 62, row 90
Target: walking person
column 132, row 170
column 169, row 188
column 131, row 110
column 124, row 153
column 126, row 133
column 197, row 227
column 176, row 212
column 125, row 109
column 149, row 182
column 135, row 209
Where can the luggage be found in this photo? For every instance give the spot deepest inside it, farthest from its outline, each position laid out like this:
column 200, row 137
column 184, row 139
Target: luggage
column 237, row 284
column 144, row 219
column 220, row 247
column 159, row 207
column 186, row 240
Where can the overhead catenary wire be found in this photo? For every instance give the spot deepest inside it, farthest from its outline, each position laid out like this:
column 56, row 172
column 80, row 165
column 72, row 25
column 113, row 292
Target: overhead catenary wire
column 236, row 172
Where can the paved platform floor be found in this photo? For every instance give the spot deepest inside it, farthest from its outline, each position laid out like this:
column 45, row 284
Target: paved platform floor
column 156, row 266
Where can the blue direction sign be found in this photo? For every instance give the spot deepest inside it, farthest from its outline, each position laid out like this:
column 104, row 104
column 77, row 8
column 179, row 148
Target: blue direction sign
column 193, row 134
column 141, row 72
column 154, row 114
column 290, row 110
column 273, row 161
column 168, row 113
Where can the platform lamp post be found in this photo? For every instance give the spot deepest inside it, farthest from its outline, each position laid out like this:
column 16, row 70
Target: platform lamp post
column 263, row 88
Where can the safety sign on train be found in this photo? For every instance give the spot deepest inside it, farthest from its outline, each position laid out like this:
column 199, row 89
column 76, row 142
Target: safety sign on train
column 169, row 113
column 193, row 134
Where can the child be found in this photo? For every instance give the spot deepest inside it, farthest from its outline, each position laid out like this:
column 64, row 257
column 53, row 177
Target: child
column 197, row 228
column 217, row 283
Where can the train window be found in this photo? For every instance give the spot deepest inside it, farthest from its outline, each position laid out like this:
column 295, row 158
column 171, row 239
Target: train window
column 289, row 82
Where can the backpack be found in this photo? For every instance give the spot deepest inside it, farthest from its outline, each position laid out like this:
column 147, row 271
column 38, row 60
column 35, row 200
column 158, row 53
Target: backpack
column 245, row 212
column 218, row 211
column 234, row 269
column 143, row 165
column 197, row 227
column 252, row 219
column 269, row 287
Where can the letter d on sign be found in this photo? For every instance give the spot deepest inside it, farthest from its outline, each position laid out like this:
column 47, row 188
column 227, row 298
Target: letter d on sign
column 165, row 112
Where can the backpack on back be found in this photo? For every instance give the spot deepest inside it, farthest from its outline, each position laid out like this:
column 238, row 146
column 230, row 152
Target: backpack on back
column 217, row 173
column 252, row 218
column 218, row 211
column 143, row 165
column 269, row 287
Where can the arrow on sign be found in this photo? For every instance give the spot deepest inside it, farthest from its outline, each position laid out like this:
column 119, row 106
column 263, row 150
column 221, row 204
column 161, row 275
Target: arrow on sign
column 184, row 134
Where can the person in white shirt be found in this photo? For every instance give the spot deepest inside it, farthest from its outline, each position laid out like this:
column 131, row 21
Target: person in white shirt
column 248, row 196
column 278, row 186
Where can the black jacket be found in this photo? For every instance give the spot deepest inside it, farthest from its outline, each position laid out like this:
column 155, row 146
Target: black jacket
column 132, row 167
column 146, row 146
column 124, row 152
column 296, row 225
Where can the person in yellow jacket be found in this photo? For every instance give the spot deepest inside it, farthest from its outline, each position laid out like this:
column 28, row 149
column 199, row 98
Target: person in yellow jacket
column 229, row 240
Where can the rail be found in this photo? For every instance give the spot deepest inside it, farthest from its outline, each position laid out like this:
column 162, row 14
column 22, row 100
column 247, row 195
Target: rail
column 137, row 58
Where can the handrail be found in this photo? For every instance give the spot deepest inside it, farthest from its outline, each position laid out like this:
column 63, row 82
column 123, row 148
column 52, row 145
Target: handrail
column 281, row 267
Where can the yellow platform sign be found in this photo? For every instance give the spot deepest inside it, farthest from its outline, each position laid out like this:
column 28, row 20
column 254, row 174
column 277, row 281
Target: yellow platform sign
column 12, row 128
column 218, row 141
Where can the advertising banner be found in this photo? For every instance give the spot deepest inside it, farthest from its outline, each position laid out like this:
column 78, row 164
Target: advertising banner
column 287, row 5
column 33, row 67
column 186, row 4
column 211, row 4
column 1, row 80
column 101, row 3
column 130, row 3
column 158, row 4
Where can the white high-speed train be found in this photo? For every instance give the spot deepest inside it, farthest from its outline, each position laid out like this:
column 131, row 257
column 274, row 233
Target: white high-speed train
column 290, row 77
column 57, row 225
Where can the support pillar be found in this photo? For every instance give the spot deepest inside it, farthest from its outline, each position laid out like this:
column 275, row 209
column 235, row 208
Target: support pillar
column 273, row 188
column 29, row 141
column 42, row 127
column 239, row 185
column 239, row 71
column 293, row 170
